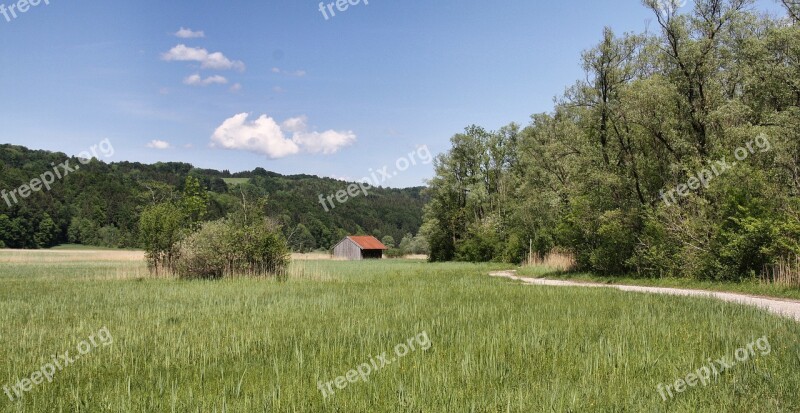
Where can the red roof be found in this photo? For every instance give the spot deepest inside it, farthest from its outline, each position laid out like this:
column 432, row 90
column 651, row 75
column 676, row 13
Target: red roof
column 368, row 243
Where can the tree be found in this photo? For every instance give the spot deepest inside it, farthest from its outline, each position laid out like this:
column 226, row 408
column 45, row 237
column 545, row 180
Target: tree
column 655, row 116
column 301, row 240
column 46, row 232
column 194, row 202
column 405, row 244
column 793, row 7
column 5, row 230
column 388, row 241
column 161, row 226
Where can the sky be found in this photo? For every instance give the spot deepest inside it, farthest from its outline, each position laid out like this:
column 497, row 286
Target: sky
column 282, row 85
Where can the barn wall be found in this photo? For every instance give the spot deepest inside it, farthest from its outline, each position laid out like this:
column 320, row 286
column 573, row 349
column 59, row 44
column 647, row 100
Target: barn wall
column 347, row 249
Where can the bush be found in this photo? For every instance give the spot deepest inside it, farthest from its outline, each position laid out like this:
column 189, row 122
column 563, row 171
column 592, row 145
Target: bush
column 395, row 253
column 225, row 249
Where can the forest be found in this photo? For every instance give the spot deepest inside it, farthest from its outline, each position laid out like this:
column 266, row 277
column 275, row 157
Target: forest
column 678, row 154
column 101, row 204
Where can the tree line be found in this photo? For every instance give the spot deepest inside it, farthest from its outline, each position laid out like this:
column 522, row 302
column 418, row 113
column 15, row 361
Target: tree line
column 677, row 155
column 101, row 204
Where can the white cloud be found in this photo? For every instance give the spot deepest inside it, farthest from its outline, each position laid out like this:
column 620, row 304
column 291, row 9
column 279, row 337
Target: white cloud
column 157, row 144
column 184, row 33
column 218, row 61
column 296, row 73
column 197, row 80
column 236, row 87
column 265, row 136
column 297, row 124
column 327, row 143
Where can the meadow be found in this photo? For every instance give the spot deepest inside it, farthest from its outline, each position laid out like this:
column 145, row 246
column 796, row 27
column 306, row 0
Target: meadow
column 257, row 345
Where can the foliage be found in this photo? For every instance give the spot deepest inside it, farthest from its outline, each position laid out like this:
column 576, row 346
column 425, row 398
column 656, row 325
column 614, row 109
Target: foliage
column 596, row 175
column 161, row 227
column 394, row 253
column 388, row 241
column 226, row 248
column 101, row 204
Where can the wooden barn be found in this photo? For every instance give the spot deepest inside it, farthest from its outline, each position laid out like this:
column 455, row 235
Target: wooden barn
column 359, row 248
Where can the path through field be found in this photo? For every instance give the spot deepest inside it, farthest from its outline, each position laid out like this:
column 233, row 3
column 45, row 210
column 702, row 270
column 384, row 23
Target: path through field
column 786, row 308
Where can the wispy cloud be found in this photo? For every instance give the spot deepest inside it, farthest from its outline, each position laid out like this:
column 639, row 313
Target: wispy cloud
column 296, row 73
column 216, row 60
column 265, row 136
column 185, row 33
column 197, row 80
column 158, row 144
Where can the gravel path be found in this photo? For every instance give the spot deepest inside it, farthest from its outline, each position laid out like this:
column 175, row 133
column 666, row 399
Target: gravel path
column 785, row 308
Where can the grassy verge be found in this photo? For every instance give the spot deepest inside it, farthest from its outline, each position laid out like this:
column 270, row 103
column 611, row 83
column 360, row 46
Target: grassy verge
column 745, row 287
column 258, row 345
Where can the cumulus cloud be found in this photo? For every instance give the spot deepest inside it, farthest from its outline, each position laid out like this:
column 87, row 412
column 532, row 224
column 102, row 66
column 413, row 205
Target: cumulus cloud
column 297, row 124
column 327, row 143
column 216, row 60
column 185, row 33
column 157, row 144
column 262, row 135
column 236, row 87
column 197, row 80
column 265, row 136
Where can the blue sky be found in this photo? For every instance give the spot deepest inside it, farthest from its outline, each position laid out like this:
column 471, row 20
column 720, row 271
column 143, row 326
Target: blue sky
column 273, row 84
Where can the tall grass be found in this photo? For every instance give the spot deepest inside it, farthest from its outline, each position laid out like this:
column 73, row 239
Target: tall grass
column 554, row 261
column 247, row 345
column 785, row 272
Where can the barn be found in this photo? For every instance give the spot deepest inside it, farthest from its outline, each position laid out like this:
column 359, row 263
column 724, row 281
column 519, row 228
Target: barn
column 359, row 248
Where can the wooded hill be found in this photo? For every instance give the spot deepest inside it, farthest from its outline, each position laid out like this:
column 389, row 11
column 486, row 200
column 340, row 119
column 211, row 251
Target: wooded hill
column 100, row 203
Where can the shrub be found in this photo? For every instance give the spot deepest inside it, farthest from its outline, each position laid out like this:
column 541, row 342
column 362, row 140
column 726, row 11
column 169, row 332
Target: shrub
column 225, row 249
column 395, row 253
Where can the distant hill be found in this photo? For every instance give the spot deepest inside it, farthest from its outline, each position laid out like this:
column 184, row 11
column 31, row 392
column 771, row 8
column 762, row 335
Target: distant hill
column 99, row 203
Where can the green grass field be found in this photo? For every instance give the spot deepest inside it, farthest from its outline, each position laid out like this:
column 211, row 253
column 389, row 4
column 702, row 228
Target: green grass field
column 262, row 346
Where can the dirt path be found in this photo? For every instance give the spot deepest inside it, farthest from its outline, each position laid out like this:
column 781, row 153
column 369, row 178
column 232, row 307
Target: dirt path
column 785, row 308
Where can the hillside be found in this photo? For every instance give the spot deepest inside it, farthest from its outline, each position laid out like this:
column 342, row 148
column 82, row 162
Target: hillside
column 98, row 203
